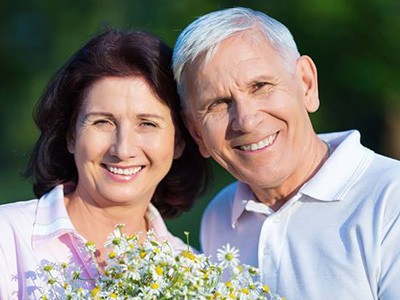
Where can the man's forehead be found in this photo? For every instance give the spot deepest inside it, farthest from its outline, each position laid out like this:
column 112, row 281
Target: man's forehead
column 232, row 55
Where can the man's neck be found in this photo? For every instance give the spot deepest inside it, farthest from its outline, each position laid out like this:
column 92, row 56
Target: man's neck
column 276, row 197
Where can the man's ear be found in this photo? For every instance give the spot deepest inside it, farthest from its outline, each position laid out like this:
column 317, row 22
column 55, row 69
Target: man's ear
column 195, row 132
column 307, row 74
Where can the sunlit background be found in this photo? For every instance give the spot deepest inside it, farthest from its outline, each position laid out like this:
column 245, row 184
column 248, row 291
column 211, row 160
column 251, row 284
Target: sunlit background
column 355, row 44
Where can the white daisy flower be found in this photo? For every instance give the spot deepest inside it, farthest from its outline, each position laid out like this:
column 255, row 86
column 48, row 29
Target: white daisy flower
column 153, row 270
column 228, row 256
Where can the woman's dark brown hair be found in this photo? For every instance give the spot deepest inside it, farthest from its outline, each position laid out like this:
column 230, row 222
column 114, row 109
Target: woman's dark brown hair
column 113, row 53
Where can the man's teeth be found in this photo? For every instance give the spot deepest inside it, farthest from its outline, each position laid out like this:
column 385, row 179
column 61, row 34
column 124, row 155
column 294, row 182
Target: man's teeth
column 120, row 171
column 261, row 144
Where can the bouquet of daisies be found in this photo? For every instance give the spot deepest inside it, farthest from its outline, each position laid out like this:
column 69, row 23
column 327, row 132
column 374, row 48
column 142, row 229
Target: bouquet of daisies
column 153, row 270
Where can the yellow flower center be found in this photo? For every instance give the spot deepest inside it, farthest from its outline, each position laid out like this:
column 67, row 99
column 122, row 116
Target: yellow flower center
column 95, row 291
column 266, row 288
column 154, row 286
column 159, row 270
column 229, row 256
column 188, row 255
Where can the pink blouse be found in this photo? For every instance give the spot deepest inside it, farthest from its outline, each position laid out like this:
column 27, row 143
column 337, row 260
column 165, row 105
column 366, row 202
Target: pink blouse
column 35, row 232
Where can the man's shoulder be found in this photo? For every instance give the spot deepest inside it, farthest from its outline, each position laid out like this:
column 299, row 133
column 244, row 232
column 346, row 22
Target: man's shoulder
column 383, row 180
column 384, row 169
column 387, row 163
column 367, row 163
column 223, row 199
column 216, row 219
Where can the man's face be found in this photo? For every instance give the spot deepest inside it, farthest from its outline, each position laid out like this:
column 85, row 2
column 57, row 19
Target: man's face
column 248, row 109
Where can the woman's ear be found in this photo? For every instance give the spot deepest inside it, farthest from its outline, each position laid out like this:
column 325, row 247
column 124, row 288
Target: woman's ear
column 70, row 142
column 307, row 74
column 195, row 133
column 179, row 146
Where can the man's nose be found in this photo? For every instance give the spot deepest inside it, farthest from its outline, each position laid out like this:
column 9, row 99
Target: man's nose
column 246, row 117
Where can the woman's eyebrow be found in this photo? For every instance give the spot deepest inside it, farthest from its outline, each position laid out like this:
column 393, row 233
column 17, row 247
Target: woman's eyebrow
column 151, row 116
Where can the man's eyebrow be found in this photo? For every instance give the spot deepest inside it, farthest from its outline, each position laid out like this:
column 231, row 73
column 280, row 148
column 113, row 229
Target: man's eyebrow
column 260, row 78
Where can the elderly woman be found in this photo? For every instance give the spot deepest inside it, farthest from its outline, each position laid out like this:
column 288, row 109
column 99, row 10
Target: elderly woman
column 112, row 149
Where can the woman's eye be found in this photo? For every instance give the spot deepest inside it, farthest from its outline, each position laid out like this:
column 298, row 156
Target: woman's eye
column 104, row 124
column 148, row 124
column 100, row 122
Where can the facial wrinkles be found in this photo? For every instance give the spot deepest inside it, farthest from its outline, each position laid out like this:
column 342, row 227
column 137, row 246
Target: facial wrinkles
column 207, row 94
column 128, row 118
column 214, row 80
column 245, row 91
column 225, row 76
column 218, row 89
column 228, row 75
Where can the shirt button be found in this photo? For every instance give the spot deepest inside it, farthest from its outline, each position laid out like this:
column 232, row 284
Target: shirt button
column 267, row 249
column 276, row 220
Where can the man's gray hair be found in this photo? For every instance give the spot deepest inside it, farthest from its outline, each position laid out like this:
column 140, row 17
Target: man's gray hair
column 204, row 34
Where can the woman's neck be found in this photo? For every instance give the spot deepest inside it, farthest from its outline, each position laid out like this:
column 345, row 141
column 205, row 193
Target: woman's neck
column 95, row 223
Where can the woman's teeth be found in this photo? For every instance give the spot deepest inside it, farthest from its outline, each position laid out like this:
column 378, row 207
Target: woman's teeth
column 120, row 171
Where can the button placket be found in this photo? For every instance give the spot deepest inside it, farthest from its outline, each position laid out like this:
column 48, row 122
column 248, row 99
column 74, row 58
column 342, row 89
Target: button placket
column 267, row 249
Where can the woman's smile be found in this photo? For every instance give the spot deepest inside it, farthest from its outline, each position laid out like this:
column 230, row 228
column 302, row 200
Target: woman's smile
column 124, row 173
column 124, row 141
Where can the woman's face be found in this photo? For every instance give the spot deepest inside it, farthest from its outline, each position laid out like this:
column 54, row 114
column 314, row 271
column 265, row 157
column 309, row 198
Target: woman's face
column 124, row 142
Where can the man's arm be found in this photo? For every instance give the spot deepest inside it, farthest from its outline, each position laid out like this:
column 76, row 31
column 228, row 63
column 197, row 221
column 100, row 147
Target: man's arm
column 389, row 282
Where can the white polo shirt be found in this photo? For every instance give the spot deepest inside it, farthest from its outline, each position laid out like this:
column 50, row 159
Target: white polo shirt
column 337, row 238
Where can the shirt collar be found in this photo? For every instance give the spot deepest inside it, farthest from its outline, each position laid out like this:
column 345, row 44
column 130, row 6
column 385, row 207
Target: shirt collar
column 155, row 221
column 157, row 224
column 348, row 160
column 242, row 196
column 332, row 181
column 52, row 219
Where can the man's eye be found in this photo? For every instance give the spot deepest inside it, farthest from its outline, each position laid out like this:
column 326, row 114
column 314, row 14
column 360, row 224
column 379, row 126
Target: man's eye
column 259, row 85
column 219, row 105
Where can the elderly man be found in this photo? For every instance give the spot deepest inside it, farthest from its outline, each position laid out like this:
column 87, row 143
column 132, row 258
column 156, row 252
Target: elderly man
column 318, row 214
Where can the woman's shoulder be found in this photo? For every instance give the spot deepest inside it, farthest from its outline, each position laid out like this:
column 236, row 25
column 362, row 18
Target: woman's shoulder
column 27, row 209
column 17, row 212
column 16, row 223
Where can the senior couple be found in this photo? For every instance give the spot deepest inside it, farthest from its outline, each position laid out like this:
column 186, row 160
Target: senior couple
column 318, row 214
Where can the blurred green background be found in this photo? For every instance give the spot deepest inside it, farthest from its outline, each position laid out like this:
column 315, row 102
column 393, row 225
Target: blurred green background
column 355, row 44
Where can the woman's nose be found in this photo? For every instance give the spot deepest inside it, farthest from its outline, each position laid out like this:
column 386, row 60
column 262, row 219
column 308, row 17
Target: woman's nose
column 125, row 144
